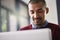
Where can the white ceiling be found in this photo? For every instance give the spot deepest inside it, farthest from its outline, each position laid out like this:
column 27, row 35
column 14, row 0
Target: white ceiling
column 26, row 1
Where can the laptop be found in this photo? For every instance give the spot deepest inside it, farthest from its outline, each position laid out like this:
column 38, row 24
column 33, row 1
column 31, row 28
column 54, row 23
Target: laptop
column 38, row 34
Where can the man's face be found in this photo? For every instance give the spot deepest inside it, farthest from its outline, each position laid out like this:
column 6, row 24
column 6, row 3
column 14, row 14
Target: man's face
column 37, row 12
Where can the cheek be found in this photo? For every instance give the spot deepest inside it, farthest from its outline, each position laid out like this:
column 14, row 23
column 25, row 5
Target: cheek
column 41, row 14
column 31, row 15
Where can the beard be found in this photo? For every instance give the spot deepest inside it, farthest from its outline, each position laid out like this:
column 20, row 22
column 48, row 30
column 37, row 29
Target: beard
column 37, row 21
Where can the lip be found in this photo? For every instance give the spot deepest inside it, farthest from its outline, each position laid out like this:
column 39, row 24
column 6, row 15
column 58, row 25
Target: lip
column 37, row 20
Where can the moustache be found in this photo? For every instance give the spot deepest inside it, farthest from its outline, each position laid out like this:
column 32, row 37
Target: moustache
column 39, row 18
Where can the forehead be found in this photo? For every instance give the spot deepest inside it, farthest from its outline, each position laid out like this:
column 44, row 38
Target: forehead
column 35, row 6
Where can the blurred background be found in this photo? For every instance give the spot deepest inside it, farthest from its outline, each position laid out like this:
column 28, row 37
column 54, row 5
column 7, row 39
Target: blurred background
column 14, row 14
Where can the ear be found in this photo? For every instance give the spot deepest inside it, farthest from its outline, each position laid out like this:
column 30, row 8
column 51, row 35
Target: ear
column 47, row 10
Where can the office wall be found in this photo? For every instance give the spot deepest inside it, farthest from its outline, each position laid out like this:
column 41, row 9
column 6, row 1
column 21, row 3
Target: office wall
column 23, row 15
column 18, row 15
column 52, row 15
column 10, row 4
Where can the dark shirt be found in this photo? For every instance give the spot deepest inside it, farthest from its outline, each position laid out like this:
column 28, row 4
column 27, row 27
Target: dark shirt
column 55, row 29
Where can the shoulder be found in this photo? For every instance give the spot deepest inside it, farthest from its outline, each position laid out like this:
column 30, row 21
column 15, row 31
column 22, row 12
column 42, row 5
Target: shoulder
column 55, row 30
column 51, row 24
column 54, row 26
column 26, row 27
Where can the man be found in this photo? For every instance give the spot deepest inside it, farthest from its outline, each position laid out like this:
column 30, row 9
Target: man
column 37, row 12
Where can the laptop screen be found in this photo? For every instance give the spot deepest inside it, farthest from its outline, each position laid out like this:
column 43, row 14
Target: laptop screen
column 38, row 34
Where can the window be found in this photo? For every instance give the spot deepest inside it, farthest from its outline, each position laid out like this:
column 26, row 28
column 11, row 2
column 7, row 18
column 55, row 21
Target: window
column 3, row 19
column 22, row 14
column 13, row 21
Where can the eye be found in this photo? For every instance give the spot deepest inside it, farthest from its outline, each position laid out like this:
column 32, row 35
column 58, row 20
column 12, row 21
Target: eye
column 32, row 12
column 40, row 11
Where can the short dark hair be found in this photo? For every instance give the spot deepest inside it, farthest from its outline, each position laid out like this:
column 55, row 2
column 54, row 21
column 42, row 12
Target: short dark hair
column 37, row 1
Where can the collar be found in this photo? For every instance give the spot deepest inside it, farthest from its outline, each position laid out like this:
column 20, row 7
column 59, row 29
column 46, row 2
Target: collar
column 43, row 25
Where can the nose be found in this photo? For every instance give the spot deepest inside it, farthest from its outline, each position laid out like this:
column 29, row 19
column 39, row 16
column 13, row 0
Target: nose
column 36, row 15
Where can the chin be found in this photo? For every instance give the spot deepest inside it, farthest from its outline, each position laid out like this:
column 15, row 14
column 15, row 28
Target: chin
column 37, row 24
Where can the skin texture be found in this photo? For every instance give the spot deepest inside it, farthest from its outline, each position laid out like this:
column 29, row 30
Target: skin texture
column 37, row 12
